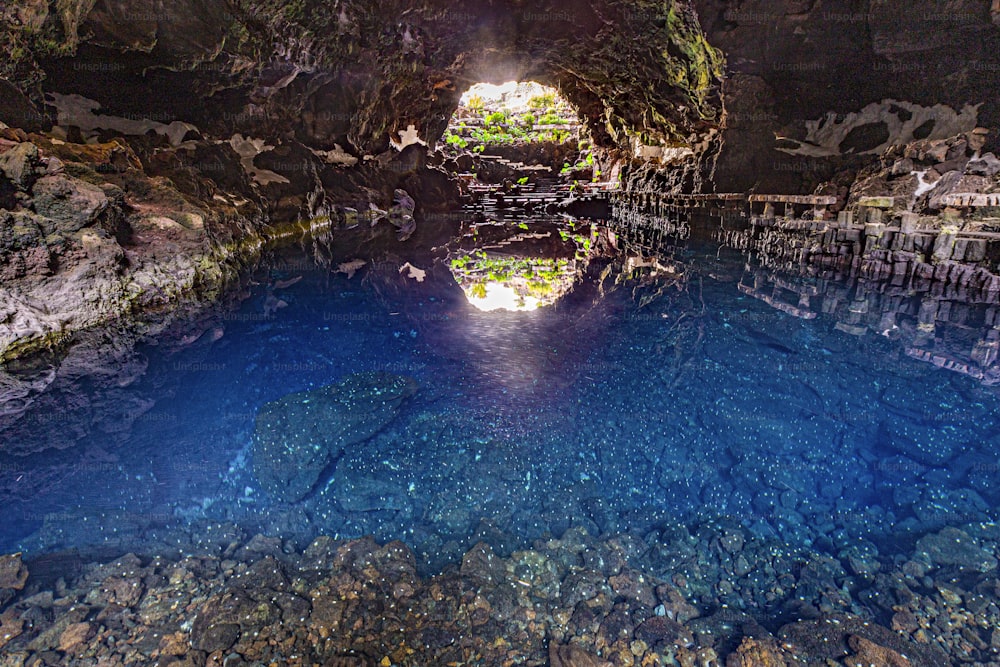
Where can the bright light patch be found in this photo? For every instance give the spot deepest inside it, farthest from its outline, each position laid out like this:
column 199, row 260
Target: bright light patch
column 513, row 96
column 498, row 296
column 513, row 283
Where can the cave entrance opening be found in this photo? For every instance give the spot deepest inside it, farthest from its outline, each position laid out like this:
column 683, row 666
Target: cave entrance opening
column 519, row 132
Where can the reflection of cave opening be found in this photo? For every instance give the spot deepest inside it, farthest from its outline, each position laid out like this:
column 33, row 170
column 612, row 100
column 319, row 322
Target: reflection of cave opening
column 517, row 267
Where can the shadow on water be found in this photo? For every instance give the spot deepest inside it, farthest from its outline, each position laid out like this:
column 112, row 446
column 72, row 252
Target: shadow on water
column 645, row 380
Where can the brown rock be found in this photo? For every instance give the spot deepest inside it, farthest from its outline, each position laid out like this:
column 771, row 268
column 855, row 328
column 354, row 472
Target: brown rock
column 756, row 653
column 662, row 630
column 573, row 656
column 633, row 586
column 13, row 573
column 174, row 644
column 74, row 636
column 11, row 626
column 481, row 563
column 869, row 654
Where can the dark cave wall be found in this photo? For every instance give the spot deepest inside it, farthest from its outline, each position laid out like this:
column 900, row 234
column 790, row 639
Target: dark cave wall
column 789, row 62
column 355, row 74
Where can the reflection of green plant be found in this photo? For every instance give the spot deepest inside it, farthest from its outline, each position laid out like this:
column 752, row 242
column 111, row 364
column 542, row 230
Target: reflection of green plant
column 523, row 181
column 539, row 288
column 522, row 225
column 478, row 290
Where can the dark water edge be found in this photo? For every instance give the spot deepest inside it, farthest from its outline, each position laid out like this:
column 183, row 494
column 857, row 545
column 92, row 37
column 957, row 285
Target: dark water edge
column 784, row 466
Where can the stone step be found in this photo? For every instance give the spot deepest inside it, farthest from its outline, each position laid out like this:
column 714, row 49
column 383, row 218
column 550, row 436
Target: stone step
column 808, row 200
column 971, row 199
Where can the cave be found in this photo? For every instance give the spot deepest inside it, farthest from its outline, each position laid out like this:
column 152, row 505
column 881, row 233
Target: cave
column 616, row 332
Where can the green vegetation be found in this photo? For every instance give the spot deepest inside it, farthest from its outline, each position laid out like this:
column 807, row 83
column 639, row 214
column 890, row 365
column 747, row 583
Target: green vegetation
column 475, row 104
column 481, row 126
column 540, row 102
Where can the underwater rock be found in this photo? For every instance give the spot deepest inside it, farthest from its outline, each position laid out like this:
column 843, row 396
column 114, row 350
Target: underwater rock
column 757, row 653
column 573, row 656
column 869, row 653
column 952, row 546
column 298, row 436
column 835, row 638
column 927, row 444
column 13, row 573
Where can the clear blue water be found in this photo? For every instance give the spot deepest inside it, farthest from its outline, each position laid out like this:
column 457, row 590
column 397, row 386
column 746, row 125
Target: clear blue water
column 637, row 400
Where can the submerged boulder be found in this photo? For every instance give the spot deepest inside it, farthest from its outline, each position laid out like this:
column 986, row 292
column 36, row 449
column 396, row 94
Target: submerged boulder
column 299, row 435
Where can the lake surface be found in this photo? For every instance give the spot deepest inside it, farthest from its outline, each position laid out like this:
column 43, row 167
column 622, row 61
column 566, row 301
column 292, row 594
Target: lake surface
column 677, row 387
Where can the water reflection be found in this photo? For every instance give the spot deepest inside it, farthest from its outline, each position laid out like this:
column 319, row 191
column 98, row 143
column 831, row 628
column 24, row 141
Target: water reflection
column 669, row 378
column 517, row 266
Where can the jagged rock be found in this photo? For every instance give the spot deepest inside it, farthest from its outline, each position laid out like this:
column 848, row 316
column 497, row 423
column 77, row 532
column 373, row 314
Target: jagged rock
column 986, row 165
column 74, row 636
column 573, row 656
column 21, row 165
column 827, row 639
column 952, row 546
column 13, row 573
column 927, row 444
column 218, row 637
column 67, row 204
column 297, row 436
column 660, row 630
column 757, row 653
column 869, row 654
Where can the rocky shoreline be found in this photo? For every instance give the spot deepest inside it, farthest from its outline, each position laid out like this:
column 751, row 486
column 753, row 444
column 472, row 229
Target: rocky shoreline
column 673, row 597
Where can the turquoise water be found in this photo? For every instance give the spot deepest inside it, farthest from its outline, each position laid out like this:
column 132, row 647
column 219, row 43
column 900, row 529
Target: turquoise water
column 818, row 413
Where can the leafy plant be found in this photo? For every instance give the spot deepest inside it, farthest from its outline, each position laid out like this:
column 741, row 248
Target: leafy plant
column 496, row 118
column 543, row 101
column 475, row 103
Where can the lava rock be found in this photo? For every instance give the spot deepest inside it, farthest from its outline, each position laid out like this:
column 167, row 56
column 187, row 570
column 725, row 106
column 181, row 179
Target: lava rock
column 67, row 204
column 952, row 546
column 217, row 637
column 13, row 573
column 987, row 165
column 573, row 656
column 928, row 444
column 20, row 165
column 297, row 436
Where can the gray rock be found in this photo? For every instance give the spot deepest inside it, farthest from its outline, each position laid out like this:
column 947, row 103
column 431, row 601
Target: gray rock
column 932, row 445
column 21, row 165
column 952, row 546
column 69, row 204
column 297, row 436
column 217, row 637
column 987, row 165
